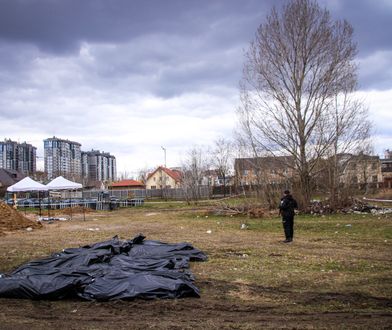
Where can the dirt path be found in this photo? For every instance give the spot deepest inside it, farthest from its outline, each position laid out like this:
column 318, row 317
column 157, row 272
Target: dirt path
column 208, row 312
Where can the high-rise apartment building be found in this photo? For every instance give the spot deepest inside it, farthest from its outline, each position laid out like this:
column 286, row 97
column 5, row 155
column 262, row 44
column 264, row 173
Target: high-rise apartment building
column 98, row 167
column 21, row 157
column 63, row 157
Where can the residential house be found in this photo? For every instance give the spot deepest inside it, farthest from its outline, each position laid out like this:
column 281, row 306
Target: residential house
column 386, row 169
column 360, row 169
column 8, row 178
column 163, row 178
column 213, row 178
column 260, row 170
column 127, row 185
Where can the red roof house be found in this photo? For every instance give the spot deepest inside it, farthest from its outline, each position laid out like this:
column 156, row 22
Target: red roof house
column 126, row 185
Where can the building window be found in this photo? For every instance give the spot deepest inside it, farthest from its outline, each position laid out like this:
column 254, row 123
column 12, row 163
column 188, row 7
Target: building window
column 153, row 187
column 374, row 178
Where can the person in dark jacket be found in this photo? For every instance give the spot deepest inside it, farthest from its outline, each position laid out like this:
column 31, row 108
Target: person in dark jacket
column 286, row 209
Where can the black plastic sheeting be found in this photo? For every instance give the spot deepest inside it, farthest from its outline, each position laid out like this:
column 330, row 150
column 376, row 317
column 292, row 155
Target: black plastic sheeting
column 109, row 270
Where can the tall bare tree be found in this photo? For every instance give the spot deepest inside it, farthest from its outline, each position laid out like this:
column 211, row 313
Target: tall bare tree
column 193, row 167
column 351, row 128
column 222, row 159
column 298, row 63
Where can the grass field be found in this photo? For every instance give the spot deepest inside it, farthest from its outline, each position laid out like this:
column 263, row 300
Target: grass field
column 336, row 274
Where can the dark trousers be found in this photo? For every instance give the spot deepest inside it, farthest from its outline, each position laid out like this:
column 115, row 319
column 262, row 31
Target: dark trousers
column 288, row 226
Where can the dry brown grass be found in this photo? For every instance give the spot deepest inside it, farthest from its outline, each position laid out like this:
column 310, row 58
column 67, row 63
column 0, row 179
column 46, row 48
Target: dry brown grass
column 337, row 273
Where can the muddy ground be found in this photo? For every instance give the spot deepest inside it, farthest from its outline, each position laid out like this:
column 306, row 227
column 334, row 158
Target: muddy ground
column 239, row 289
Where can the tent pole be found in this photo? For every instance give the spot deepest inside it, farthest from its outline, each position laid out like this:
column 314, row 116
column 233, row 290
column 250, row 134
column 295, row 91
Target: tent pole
column 84, row 207
column 48, row 205
column 70, row 203
column 39, row 201
column 15, row 205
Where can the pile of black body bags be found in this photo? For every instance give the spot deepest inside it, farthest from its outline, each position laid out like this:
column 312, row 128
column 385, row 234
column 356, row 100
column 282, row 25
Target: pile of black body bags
column 109, row 270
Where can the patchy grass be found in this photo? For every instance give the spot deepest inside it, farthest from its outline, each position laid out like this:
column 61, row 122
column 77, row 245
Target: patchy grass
column 338, row 266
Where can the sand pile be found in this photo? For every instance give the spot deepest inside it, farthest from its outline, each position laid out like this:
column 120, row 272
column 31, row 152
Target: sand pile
column 11, row 219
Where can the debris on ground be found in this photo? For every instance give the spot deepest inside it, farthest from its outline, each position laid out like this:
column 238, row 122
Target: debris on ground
column 109, row 270
column 381, row 211
column 355, row 206
column 11, row 219
column 319, row 207
column 51, row 219
column 252, row 211
column 358, row 206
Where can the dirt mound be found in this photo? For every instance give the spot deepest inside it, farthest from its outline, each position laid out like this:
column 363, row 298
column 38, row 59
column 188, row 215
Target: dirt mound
column 11, row 219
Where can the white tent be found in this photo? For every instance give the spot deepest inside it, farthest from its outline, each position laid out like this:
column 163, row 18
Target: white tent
column 27, row 184
column 61, row 183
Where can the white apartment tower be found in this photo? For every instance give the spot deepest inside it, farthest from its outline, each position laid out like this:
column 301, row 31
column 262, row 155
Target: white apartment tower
column 98, row 167
column 21, row 157
column 63, row 157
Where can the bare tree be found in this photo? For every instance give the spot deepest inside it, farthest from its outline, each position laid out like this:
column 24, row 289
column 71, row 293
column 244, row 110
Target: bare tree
column 193, row 167
column 125, row 175
column 143, row 174
column 222, row 159
column 298, row 63
column 351, row 128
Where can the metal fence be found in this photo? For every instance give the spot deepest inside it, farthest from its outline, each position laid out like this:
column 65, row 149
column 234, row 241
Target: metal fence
column 167, row 193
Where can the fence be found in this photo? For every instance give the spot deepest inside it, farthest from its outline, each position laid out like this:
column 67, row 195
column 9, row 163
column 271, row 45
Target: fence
column 203, row 192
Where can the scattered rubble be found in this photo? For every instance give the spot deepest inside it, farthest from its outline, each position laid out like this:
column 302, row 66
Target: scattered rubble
column 252, row 211
column 51, row 219
column 353, row 205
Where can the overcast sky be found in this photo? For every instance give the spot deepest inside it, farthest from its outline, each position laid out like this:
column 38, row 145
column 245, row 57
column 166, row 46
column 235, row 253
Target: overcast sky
column 128, row 77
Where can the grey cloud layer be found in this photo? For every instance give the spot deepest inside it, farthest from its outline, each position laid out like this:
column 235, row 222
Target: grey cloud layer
column 182, row 45
column 65, row 61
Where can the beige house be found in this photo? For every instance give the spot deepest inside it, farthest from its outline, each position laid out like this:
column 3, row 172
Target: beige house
column 386, row 169
column 361, row 169
column 163, row 178
column 260, row 170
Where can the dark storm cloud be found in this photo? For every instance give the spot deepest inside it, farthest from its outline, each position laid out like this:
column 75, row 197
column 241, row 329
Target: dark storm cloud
column 59, row 26
column 167, row 38
column 155, row 41
column 372, row 23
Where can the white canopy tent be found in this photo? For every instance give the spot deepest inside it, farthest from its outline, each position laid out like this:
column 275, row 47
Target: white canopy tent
column 61, row 183
column 27, row 184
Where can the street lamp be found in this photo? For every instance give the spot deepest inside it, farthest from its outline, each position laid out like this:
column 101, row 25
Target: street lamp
column 164, row 150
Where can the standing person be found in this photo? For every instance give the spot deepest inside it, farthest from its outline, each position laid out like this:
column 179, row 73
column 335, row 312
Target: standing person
column 286, row 210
